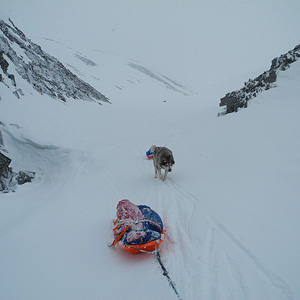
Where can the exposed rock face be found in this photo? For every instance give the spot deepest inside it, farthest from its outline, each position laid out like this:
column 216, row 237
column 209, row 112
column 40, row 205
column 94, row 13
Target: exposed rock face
column 239, row 99
column 6, row 174
column 169, row 83
column 8, row 178
column 1, row 138
column 44, row 72
column 24, row 176
column 20, row 57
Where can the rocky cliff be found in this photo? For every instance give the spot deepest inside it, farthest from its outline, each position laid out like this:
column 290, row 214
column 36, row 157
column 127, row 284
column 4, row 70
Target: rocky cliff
column 44, row 72
column 8, row 178
column 239, row 99
column 21, row 59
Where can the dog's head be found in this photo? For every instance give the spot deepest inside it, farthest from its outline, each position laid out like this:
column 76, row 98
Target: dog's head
column 167, row 163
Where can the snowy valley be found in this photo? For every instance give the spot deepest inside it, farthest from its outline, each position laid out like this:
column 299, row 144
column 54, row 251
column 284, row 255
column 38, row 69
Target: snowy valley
column 159, row 70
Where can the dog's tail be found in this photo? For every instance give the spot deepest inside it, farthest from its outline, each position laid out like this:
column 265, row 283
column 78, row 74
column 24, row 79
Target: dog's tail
column 152, row 148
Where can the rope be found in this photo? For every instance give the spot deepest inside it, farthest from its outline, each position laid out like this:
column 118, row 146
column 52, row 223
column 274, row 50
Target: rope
column 165, row 271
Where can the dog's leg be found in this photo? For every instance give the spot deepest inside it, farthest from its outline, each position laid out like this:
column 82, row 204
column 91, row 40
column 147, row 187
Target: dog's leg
column 155, row 169
column 165, row 175
column 160, row 175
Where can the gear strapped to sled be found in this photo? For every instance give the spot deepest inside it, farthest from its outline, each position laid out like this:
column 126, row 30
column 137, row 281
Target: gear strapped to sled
column 137, row 227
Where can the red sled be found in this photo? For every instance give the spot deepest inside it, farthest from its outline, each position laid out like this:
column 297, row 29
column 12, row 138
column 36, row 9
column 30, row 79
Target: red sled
column 148, row 247
column 137, row 228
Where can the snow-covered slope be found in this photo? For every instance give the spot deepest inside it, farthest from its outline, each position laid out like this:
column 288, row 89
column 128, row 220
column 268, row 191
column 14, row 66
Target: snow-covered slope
column 43, row 72
column 239, row 99
column 230, row 206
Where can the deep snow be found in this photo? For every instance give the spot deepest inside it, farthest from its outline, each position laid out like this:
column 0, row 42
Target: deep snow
column 231, row 205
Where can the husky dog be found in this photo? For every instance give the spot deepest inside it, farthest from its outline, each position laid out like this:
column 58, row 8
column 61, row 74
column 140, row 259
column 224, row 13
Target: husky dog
column 162, row 159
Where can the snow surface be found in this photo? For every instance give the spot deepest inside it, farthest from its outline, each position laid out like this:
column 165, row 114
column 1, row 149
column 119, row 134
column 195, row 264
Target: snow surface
column 231, row 205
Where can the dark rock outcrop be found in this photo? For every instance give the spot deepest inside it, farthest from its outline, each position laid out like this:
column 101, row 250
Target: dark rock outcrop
column 6, row 174
column 24, row 176
column 1, row 138
column 8, row 178
column 239, row 99
column 44, row 72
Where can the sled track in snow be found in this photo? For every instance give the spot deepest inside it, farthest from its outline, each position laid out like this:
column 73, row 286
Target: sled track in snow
column 212, row 265
column 208, row 262
column 180, row 250
column 235, row 257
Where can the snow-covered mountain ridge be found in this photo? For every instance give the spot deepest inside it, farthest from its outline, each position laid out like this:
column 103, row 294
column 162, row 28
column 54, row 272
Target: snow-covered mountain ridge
column 45, row 73
column 21, row 58
column 239, row 99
